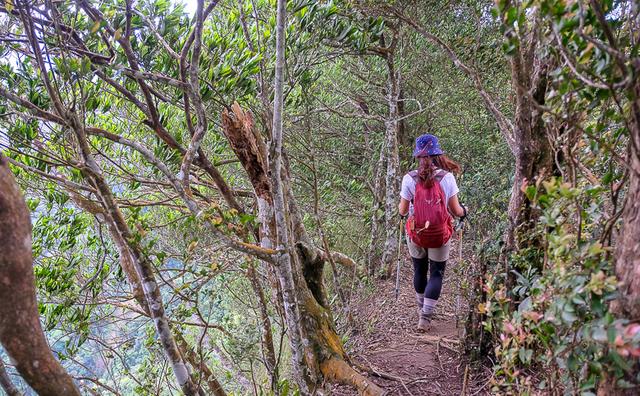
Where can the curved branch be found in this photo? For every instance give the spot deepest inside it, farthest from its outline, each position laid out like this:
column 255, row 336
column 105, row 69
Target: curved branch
column 194, row 94
column 6, row 383
column 33, row 109
column 192, row 205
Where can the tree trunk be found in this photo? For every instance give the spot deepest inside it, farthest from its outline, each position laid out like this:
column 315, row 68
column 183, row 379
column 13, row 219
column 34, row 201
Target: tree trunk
column 393, row 164
column 627, row 264
column 124, row 248
column 628, row 244
column 268, row 350
column 533, row 161
column 286, row 270
column 192, row 357
column 20, row 330
column 627, row 268
column 405, row 140
column 307, row 313
column 378, row 187
column 316, row 348
column 533, row 152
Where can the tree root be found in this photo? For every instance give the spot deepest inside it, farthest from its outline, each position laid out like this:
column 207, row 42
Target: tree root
column 435, row 340
column 338, row 371
column 384, row 375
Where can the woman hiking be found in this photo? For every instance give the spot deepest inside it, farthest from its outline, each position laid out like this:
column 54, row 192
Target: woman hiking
column 429, row 195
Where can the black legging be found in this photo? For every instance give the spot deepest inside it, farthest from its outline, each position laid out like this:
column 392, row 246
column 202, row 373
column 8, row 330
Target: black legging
column 432, row 286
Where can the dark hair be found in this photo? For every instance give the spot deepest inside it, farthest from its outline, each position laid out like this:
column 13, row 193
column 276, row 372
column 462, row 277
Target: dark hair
column 428, row 166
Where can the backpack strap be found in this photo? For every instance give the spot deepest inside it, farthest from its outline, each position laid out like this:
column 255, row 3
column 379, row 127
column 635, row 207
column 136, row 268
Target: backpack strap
column 440, row 174
column 416, row 179
column 414, row 176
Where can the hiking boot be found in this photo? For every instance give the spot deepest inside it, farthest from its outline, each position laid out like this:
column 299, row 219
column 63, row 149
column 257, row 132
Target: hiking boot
column 426, row 313
column 424, row 324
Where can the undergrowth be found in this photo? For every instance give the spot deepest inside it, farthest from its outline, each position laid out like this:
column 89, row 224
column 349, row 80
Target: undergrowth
column 554, row 332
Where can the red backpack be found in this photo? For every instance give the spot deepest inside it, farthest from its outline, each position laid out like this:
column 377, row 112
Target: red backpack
column 430, row 225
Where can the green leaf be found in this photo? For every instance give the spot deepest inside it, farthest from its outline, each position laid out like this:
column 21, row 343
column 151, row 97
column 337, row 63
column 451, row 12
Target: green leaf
column 345, row 32
column 525, row 305
column 569, row 317
column 95, row 27
column 525, row 355
column 599, row 334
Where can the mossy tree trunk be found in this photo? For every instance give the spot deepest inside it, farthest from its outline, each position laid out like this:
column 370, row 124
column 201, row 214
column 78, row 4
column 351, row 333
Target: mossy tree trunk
column 392, row 192
column 318, row 352
column 532, row 151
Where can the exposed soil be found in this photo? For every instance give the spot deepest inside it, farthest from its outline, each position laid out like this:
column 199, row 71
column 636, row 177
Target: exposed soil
column 386, row 347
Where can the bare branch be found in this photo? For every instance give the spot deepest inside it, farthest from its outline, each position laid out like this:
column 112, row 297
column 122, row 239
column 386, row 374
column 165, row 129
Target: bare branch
column 505, row 125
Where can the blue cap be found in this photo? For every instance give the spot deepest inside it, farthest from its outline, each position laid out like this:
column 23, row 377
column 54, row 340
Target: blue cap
column 427, row 145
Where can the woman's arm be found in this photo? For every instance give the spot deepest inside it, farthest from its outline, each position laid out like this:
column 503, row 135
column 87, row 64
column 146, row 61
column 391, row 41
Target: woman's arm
column 403, row 207
column 455, row 207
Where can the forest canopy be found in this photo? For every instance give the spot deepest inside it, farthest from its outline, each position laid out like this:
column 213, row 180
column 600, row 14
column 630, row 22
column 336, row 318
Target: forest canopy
column 200, row 199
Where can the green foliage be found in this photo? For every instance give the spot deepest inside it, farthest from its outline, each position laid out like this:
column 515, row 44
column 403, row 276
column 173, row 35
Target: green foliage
column 565, row 335
column 64, row 246
column 562, row 333
column 334, row 22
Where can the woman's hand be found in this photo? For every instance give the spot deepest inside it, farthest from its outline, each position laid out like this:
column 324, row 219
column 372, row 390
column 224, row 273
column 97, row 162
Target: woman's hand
column 455, row 208
column 403, row 207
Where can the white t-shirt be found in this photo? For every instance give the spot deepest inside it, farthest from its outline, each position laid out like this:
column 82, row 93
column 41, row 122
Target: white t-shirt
column 447, row 183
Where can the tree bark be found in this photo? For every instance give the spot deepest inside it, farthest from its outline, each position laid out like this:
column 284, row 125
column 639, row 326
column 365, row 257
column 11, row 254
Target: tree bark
column 533, row 152
column 285, row 267
column 376, row 221
column 627, row 267
column 317, row 351
column 19, row 309
column 127, row 264
column 393, row 164
column 627, row 264
column 192, row 357
column 268, row 349
column 143, row 266
column 405, row 140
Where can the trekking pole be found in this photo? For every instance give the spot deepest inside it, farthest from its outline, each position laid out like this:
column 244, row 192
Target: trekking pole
column 398, row 265
column 460, row 228
column 460, row 244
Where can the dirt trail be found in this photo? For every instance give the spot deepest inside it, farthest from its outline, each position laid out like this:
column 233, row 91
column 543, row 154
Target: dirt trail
column 386, row 346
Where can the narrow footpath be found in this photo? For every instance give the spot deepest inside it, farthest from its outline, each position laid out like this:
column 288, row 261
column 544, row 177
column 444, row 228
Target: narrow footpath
column 386, row 347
